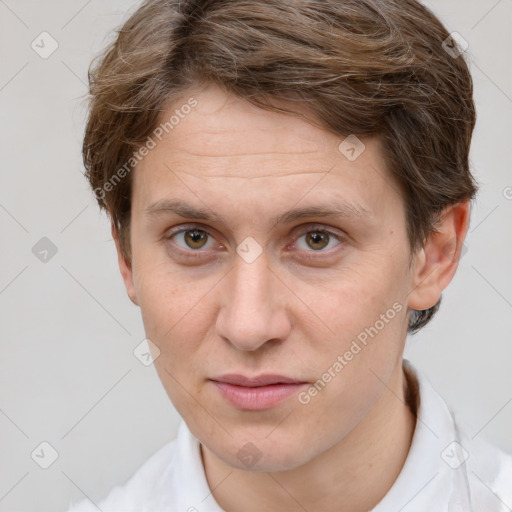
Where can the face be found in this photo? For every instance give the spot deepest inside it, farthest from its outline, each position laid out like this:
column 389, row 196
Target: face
column 272, row 316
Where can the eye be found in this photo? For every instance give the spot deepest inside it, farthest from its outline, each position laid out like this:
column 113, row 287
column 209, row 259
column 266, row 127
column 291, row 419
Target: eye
column 318, row 239
column 191, row 239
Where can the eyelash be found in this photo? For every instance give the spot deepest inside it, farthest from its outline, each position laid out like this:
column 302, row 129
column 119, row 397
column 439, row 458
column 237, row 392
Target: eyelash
column 193, row 254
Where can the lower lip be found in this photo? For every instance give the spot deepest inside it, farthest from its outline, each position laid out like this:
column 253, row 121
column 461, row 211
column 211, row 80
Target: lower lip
column 256, row 398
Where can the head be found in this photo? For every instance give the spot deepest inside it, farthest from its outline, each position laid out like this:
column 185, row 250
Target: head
column 289, row 187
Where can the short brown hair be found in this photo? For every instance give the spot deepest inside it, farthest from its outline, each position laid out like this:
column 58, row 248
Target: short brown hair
column 363, row 67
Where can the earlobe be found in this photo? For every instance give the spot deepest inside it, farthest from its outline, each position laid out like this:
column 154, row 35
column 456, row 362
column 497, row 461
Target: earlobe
column 125, row 266
column 436, row 263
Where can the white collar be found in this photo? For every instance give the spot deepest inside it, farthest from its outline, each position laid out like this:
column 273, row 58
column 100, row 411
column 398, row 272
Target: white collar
column 428, row 476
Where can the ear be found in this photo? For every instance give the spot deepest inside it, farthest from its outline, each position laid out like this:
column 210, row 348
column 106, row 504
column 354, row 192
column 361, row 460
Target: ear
column 435, row 264
column 125, row 266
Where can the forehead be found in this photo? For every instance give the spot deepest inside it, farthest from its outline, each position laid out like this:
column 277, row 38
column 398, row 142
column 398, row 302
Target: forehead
column 232, row 130
column 234, row 148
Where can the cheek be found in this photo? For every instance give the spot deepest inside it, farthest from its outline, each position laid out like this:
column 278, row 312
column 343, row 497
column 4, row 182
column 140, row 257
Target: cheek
column 176, row 320
column 346, row 302
column 173, row 309
column 163, row 300
column 360, row 338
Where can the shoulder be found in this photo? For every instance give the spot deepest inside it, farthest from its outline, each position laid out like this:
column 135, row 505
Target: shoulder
column 139, row 490
column 171, row 479
column 489, row 471
column 471, row 473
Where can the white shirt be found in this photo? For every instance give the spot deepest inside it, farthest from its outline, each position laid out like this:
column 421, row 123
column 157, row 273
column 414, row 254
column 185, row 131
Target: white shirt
column 445, row 471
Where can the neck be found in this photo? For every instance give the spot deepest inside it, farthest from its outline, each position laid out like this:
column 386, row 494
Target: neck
column 355, row 474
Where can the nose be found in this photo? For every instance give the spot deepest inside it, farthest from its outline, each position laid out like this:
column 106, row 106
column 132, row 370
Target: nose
column 253, row 305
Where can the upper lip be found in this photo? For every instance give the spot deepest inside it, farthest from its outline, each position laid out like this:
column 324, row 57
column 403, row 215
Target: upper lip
column 259, row 380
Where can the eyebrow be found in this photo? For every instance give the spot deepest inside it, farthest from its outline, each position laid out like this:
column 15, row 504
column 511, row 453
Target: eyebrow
column 183, row 209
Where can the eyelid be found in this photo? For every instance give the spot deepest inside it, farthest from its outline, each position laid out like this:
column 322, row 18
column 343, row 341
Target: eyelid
column 185, row 227
column 306, row 228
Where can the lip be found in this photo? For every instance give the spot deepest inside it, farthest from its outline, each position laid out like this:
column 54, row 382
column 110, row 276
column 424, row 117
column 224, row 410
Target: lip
column 256, row 393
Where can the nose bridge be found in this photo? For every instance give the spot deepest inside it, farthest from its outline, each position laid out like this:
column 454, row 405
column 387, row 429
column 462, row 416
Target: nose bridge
column 251, row 313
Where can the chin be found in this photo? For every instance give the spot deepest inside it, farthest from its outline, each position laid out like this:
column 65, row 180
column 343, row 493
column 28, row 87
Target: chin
column 263, row 454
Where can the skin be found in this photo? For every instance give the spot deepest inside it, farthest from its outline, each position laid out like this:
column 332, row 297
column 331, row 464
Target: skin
column 282, row 313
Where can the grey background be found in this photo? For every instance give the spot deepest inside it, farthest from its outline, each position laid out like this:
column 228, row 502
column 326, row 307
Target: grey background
column 67, row 372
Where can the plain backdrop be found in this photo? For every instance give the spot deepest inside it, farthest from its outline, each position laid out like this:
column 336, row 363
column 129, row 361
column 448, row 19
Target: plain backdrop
column 68, row 375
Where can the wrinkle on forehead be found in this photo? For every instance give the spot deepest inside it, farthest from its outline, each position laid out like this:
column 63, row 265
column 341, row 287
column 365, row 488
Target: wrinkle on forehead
column 295, row 174
column 243, row 143
column 225, row 124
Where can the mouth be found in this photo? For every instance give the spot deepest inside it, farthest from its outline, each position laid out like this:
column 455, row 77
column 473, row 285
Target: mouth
column 256, row 393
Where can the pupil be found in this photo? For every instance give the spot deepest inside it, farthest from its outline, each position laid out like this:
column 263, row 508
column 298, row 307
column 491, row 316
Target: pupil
column 317, row 238
column 195, row 235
